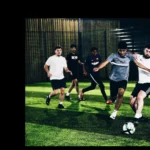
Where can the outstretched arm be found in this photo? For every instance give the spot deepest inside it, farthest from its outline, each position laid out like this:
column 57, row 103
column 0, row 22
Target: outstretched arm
column 102, row 65
column 141, row 66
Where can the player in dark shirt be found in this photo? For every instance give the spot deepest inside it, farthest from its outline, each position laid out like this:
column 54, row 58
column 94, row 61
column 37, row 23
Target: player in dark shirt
column 73, row 61
column 90, row 63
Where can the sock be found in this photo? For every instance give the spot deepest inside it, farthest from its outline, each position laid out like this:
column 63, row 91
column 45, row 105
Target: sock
column 49, row 96
column 61, row 103
column 138, row 116
column 67, row 94
column 115, row 111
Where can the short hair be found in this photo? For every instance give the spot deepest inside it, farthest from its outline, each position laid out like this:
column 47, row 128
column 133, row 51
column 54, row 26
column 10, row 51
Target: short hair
column 147, row 46
column 73, row 45
column 57, row 47
column 94, row 48
column 122, row 45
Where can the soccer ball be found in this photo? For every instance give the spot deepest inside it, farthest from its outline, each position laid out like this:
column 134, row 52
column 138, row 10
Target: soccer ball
column 128, row 128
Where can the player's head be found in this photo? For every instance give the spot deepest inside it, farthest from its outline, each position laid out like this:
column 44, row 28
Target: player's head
column 94, row 50
column 73, row 48
column 122, row 48
column 146, row 52
column 58, row 50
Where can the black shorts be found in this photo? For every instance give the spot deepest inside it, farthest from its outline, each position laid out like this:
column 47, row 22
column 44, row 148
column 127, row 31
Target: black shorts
column 57, row 84
column 139, row 86
column 115, row 85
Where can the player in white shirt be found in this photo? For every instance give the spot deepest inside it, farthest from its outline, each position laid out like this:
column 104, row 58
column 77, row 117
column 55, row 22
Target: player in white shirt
column 142, row 88
column 54, row 67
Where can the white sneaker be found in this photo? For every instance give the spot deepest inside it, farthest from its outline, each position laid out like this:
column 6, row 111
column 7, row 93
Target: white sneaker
column 113, row 115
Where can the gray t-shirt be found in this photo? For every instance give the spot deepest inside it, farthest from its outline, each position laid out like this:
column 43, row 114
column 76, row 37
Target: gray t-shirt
column 119, row 66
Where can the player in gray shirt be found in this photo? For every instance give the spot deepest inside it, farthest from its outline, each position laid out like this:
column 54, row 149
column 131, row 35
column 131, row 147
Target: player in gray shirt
column 119, row 73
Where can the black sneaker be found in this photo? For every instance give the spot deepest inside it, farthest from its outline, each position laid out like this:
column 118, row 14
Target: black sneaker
column 48, row 100
column 138, row 120
column 60, row 106
column 67, row 97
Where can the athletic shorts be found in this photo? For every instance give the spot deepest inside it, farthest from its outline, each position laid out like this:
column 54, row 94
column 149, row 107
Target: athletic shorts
column 115, row 85
column 139, row 86
column 57, row 84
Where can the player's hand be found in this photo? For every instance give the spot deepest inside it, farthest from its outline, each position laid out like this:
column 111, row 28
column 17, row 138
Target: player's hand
column 95, row 69
column 49, row 74
column 85, row 73
column 70, row 73
column 148, row 70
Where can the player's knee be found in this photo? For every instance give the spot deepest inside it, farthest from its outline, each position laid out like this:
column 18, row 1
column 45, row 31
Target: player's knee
column 62, row 91
column 120, row 93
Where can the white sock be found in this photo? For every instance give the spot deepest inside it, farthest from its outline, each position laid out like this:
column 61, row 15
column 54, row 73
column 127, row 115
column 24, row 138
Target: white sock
column 67, row 94
column 115, row 111
column 138, row 115
column 49, row 96
column 61, row 103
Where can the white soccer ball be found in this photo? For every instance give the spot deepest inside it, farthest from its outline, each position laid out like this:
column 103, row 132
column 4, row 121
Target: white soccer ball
column 128, row 128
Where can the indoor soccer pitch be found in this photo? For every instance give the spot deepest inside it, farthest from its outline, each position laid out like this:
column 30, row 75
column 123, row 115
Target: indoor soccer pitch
column 84, row 123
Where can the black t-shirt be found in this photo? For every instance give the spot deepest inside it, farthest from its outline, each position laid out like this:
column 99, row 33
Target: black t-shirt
column 72, row 61
column 92, row 62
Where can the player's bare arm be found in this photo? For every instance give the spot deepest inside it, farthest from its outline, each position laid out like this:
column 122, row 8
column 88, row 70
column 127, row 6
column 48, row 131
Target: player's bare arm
column 46, row 67
column 141, row 66
column 83, row 66
column 102, row 65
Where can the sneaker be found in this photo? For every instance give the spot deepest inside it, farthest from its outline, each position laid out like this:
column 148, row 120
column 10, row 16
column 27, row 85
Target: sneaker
column 136, row 121
column 108, row 101
column 60, row 106
column 67, row 97
column 80, row 98
column 113, row 115
column 48, row 100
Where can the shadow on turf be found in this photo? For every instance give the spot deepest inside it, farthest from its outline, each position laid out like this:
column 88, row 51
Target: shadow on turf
column 90, row 122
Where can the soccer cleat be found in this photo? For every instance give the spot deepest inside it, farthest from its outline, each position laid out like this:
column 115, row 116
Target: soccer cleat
column 67, row 97
column 108, row 101
column 113, row 115
column 48, row 100
column 60, row 106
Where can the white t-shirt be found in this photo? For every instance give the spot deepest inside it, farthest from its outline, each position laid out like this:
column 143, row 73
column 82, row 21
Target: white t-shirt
column 144, row 76
column 56, row 66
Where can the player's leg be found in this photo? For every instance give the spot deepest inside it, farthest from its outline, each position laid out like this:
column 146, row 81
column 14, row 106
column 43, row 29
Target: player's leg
column 113, row 90
column 76, row 85
column 140, row 103
column 133, row 97
column 89, row 88
column 102, row 89
column 133, row 103
column 53, row 93
column 62, row 86
column 67, row 96
column 61, row 97
column 121, row 89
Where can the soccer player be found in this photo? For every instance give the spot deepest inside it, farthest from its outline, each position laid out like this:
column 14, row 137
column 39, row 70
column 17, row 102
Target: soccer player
column 93, row 61
column 54, row 67
column 119, row 73
column 73, row 61
column 142, row 87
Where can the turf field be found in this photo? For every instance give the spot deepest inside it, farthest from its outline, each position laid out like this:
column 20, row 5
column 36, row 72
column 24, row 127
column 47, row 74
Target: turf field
column 84, row 123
